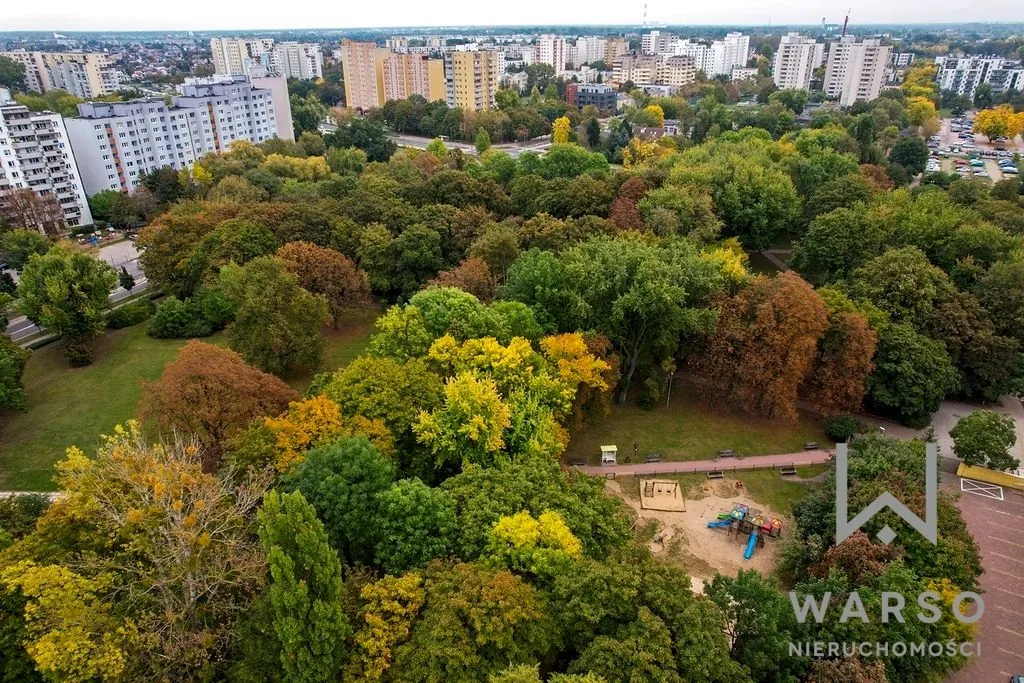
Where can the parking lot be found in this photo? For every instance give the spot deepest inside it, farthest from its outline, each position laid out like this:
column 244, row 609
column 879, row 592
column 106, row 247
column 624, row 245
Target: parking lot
column 955, row 147
column 998, row 529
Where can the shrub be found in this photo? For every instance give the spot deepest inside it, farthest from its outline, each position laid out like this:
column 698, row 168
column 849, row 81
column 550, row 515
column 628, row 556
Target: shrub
column 130, row 314
column 841, row 428
column 177, row 319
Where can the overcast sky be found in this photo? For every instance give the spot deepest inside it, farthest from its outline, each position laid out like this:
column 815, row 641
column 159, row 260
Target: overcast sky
column 56, row 15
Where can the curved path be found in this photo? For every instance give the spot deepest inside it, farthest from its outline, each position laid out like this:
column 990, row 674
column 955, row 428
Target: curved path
column 754, row 462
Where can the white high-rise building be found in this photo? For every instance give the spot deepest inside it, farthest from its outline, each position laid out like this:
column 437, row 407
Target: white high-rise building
column 698, row 51
column 238, row 56
column 657, row 43
column 795, row 61
column 297, row 60
column 35, row 154
column 83, row 74
column 553, row 50
column 590, row 49
column 963, row 75
column 262, row 57
column 117, row 142
column 856, row 69
column 726, row 54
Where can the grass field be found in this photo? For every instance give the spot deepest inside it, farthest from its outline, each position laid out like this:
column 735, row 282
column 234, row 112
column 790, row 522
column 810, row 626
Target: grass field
column 73, row 406
column 690, row 430
column 764, row 486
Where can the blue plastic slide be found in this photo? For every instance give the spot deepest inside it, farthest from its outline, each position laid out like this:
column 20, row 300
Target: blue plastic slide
column 750, row 545
column 718, row 523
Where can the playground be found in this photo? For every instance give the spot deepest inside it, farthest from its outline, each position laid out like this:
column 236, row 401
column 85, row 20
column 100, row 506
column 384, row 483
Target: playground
column 710, row 526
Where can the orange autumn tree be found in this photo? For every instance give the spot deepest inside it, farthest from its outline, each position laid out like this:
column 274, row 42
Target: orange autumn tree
column 329, row 273
column 624, row 212
column 210, row 392
column 318, row 421
column 763, row 346
column 472, row 275
column 842, row 363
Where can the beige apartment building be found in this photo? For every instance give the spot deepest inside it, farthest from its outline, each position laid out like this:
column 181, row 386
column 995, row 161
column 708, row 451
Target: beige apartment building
column 472, row 78
column 856, row 69
column 363, row 67
column 83, row 74
column 413, row 74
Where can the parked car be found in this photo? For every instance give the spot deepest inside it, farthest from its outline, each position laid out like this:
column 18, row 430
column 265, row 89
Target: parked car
column 977, row 162
column 1012, row 170
column 980, row 173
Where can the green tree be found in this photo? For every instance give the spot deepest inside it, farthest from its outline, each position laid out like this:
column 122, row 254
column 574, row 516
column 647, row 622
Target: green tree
column 469, row 426
column 416, row 524
column 903, row 283
column 985, row 438
column 125, row 279
column 482, row 142
column 18, row 245
column 342, row 481
column 67, row 292
column 307, row 113
column 911, row 153
column 12, row 74
column 912, row 374
column 304, row 591
column 277, row 323
column 760, row 622
column 12, row 366
column 793, row 99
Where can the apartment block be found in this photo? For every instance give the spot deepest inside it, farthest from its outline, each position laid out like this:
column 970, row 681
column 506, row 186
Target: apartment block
column 856, row 69
column 599, row 95
column 413, row 74
column 117, row 142
column 363, row 66
column 238, row 56
column 553, row 50
column 615, row 48
column 726, row 54
column 297, row 60
column 471, row 78
column 590, row 49
column 83, row 74
column 795, row 61
column 657, row 43
column 963, row 75
column 665, row 70
column 36, row 154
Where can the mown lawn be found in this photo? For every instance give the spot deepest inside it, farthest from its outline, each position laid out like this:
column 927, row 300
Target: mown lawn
column 691, row 430
column 73, row 406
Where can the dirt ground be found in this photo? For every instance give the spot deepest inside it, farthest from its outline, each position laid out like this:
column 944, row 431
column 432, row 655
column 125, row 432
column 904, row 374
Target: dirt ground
column 685, row 538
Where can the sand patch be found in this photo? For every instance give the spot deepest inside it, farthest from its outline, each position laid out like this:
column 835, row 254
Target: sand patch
column 684, row 538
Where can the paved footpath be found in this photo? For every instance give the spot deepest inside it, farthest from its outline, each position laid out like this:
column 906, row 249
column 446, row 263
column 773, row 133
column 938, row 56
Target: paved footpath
column 755, row 462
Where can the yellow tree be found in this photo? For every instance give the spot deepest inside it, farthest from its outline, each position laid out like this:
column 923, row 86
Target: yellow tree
column 637, row 152
column 544, row 546
column 657, row 113
column 919, row 110
column 317, row 421
column 560, row 130
column 389, row 606
column 999, row 121
column 470, row 424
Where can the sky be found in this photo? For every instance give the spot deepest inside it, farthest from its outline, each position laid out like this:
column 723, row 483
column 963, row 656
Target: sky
column 90, row 15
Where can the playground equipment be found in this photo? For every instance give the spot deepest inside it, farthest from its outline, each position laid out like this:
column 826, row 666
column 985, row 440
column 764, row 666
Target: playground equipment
column 742, row 520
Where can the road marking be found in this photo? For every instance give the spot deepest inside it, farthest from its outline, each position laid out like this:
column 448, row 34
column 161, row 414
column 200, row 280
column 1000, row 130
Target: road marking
column 1013, row 576
column 1010, row 630
column 1015, row 654
column 1016, row 595
column 1003, row 540
column 1007, row 557
column 1010, row 611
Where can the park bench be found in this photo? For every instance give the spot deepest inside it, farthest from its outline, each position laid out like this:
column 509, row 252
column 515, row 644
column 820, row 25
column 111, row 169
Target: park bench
column 727, row 453
column 787, row 471
column 653, row 457
column 811, row 446
column 716, row 474
column 577, row 462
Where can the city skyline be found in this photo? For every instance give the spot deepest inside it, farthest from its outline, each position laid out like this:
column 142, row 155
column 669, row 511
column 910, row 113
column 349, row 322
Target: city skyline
column 123, row 15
